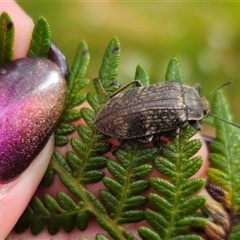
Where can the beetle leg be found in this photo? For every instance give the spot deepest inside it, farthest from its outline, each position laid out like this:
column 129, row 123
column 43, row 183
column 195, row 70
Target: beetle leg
column 146, row 139
column 196, row 124
column 115, row 83
column 175, row 132
column 137, row 82
column 101, row 86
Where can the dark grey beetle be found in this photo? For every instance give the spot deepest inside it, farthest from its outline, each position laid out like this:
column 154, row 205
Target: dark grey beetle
column 146, row 111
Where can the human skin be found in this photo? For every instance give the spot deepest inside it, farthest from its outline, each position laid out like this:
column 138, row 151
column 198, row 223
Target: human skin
column 15, row 195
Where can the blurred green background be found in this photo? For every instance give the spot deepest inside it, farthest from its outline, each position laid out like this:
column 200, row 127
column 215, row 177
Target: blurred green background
column 204, row 36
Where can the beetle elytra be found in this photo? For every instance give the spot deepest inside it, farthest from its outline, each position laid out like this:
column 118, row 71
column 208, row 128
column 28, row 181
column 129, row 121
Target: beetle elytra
column 145, row 111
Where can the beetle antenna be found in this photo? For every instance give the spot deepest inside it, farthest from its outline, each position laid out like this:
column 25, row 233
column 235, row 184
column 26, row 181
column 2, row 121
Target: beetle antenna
column 223, row 120
column 221, row 86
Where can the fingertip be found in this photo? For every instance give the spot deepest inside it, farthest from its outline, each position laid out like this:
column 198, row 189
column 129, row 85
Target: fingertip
column 15, row 195
column 203, row 152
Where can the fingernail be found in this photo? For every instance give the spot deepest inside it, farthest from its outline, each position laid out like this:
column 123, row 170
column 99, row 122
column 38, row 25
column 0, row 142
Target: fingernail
column 32, row 96
column 56, row 56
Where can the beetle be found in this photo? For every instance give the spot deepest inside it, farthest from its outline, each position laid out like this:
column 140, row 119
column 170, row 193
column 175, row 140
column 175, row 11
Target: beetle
column 145, row 111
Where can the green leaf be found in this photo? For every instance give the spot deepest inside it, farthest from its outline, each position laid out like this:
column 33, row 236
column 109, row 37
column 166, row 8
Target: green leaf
column 191, row 147
column 95, row 101
column 66, row 202
column 109, row 68
column 54, row 227
column 38, row 206
column 51, row 204
column 191, row 205
column 224, row 172
column 192, row 221
column 192, row 186
column 37, row 224
column 135, row 202
column 79, row 67
column 219, row 178
column 76, row 82
column 235, row 234
column 114, row 186
column 95, row 202
column 65, row 128
column 131, row 216
column 88, row 116
column 146, row 234
column 101, row 237
column 161, row 205
column 123, row 197
column 173, row 199
column 58, row 157
column 157, row 222
column 138, row 186
column 142, row 171
column 60, row 140
column 77, row 99
column 225, row 156
column 187, row 237
column 68, row 223
column 174, row 71
column 111, row 202
column 84, row 132
column 92, row 177
column 7, row 32
column 165, row 167
column 117, row 170
column 163, row 186
column 82, row 220
column 114, row 233
column 192, row 167
column 107, row 76
column 70, row 115
column 142, row 75
column 48, row 177
column 41, row 39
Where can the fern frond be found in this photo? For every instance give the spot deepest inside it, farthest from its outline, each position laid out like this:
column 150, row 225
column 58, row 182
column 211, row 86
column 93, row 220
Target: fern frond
column 142, row 74
column 123, row 196
column 173, row 202
column 174, row 71
column 41, row 39
column 225, row 160
column 109, row 68
column 76, row 81
column 224, row 172
column 7, row 32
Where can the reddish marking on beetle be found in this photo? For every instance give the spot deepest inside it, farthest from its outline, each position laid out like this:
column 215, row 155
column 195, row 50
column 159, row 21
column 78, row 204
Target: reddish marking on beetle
column 180, row 99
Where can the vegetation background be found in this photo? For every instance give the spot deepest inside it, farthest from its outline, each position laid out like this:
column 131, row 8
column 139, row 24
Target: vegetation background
column 205, row 36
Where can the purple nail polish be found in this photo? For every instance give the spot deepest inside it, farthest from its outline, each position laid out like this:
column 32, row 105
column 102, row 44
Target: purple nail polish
column 32, row 96
column 56, row 56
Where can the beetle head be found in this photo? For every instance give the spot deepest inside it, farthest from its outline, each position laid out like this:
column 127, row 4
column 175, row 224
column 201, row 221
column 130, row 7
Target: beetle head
column 205, row 106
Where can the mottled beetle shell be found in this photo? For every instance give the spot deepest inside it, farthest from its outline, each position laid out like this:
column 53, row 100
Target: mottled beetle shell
column 144, row 111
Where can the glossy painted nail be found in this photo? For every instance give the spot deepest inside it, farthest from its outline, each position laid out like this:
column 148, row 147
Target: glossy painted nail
column 56, row 56
column 32, row 96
